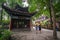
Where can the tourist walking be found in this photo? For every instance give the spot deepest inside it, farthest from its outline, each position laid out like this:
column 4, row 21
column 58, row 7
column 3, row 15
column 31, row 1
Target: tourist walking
column 40, row 28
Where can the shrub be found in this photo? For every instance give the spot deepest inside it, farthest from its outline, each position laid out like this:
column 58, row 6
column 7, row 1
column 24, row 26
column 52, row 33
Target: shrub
column 5, row 22
column 5, row 35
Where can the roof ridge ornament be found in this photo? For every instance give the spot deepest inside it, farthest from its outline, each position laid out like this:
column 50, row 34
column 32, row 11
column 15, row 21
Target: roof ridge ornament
column 25, row 3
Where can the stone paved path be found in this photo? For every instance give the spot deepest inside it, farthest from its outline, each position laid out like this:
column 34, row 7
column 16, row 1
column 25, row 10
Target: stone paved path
column 33, row 35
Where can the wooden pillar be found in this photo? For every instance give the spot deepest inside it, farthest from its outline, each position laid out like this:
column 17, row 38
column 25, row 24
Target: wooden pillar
column 10, row 27
column 17, row 25
column 30, row 24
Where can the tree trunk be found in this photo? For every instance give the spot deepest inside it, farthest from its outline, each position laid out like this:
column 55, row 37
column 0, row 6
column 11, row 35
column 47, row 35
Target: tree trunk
column 1, row 14
column 50, row 17
column 53, row 20
column 59, row 26
column 50, row 14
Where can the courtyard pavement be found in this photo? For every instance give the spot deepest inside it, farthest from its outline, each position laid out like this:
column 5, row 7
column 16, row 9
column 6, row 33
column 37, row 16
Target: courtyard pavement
column 33, row 35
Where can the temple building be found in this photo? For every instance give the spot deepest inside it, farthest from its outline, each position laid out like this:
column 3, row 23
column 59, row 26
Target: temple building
column 20, row 17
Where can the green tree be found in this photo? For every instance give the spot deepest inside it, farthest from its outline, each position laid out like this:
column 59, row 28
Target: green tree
column 51, row 10
column 53, row 19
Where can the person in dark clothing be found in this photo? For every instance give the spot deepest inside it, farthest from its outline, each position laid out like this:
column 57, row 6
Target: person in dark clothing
column 40, row 28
